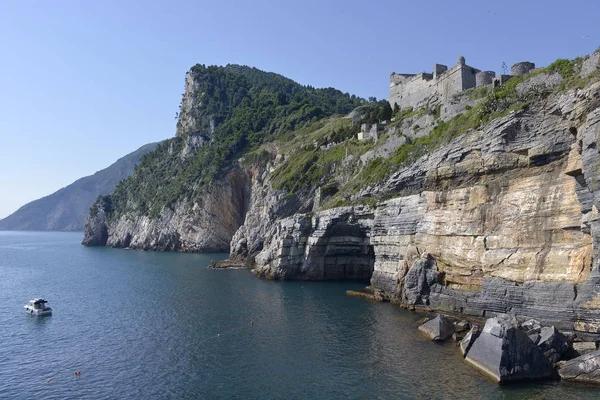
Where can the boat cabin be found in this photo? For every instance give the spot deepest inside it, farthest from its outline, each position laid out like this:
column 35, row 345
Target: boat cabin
column 37, row 304
column 38, row 307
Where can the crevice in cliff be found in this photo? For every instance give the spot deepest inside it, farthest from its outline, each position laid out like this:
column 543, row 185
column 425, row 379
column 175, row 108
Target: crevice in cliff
column 503, row 261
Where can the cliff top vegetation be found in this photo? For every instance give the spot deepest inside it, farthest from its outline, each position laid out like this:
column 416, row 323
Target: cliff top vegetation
column 233, row 110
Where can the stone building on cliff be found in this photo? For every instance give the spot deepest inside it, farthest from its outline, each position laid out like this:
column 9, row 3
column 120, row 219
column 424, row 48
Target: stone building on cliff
column 440, row 86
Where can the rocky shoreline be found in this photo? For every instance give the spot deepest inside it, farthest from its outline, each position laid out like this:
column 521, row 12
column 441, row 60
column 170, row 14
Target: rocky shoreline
column 228, row 264
column 501, row 220
column 508, row 351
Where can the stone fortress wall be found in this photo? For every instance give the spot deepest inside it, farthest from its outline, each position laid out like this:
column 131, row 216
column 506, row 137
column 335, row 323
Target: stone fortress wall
column 426, row 90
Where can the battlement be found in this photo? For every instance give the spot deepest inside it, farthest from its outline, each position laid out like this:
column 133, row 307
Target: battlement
column 439, row 87
column 418, row 90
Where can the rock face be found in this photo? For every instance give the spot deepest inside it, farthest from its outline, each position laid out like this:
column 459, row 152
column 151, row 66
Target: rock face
column 504, row 353
column 96, row 231
column 419, row 280
column 205, row 225
column 507, row 215
column 67, row 209
column 591, row 64
column 438, row 329
column 582, row 348
column 585, row 369
column 325, row 247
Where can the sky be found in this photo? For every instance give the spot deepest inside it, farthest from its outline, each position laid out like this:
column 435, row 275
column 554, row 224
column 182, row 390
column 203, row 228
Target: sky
column 82, row 83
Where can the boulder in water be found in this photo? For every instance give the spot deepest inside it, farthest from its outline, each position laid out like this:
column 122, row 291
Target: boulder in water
column 438, row 329
column 552, row 343
column 506, row 354
column 585, row 368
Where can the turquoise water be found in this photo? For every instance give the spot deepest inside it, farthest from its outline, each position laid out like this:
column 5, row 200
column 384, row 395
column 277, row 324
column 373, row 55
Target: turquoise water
column 161, row 326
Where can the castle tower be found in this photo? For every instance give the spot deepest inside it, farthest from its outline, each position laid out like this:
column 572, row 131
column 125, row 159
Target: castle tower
column 521, row 68
column 484, row 78
column 439, row 69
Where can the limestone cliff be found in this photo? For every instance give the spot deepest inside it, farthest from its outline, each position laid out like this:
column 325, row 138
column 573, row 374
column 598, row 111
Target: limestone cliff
column 206, row 224
column 506, row 217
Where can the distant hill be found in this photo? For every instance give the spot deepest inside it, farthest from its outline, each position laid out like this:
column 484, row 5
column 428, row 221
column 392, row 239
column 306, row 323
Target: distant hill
column 66, row 209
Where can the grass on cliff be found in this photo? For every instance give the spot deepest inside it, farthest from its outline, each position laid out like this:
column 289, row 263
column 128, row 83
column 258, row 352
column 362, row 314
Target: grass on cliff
column 299, row 124
column 307, row 166
column 496, row 104
column 380, row 169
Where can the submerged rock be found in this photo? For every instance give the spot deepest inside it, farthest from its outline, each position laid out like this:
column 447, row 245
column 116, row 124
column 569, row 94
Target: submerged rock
column 229, row 264
column 585, row 368
column 506, row 354
column 438, row 329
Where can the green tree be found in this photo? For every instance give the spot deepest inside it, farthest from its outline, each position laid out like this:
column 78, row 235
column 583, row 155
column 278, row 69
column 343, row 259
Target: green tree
column 236, row 108
column 385, row 112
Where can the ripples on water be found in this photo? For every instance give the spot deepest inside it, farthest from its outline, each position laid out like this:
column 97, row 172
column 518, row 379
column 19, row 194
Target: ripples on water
column 160, row 325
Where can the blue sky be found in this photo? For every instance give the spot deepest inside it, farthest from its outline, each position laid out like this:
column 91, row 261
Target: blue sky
column 83, row 83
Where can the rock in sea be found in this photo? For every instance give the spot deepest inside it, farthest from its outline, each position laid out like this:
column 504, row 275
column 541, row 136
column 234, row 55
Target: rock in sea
column 553, row 343
column 585, row 368
column 438, row 329
column 506, row 354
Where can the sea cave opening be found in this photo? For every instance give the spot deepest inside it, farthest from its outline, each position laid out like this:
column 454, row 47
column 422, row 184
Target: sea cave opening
column 348, row 254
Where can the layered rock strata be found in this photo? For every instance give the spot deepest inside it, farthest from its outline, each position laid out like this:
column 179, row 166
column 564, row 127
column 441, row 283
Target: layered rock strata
column 584, row 369
column 323, row 247
column 507, row 217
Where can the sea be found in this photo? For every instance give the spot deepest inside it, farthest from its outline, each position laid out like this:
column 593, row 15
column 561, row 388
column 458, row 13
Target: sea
column 147, row 325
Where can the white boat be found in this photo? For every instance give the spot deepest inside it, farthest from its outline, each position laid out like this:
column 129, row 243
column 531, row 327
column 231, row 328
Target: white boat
column 37, row 307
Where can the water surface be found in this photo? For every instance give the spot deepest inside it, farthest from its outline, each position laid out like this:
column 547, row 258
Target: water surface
column 141, row 325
